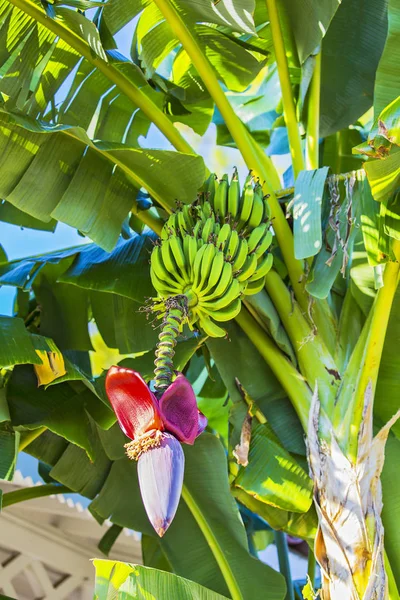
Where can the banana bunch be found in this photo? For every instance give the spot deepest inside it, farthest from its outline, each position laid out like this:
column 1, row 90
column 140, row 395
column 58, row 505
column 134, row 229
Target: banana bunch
column 215, row 251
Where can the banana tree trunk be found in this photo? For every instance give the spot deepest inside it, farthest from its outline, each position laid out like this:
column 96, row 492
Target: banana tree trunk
column 348, row 499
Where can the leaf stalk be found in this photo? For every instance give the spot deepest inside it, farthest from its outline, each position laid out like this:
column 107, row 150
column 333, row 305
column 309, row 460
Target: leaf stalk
column 289, row 109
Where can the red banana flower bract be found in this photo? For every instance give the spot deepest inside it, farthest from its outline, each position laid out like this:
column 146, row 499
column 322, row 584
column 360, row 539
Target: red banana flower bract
column 156, row 427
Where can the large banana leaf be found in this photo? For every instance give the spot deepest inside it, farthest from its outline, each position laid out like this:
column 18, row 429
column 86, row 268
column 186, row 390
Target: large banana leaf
column 387, row 393
column 387, row 85
column 118, row 13
column 68, row 410
column 308, row 20
column 207, row 482
column 83, row 187
column 16, row 344
column 238, row 358
column 114, row 578
column 351, row 50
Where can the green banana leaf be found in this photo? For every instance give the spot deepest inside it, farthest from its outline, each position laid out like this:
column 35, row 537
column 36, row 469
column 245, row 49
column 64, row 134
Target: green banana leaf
column 67, row 409
column 82, row 187
column 387, row 85
column 351, row 50
column 238, row 357
column 135, row 581
column 16, row 344
column 272, row 475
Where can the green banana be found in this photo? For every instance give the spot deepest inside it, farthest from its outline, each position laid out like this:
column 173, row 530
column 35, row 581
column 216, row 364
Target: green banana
column 206, row 264
column 206, row 209
column 210, row 328
column 210, row 187
column 192, row 251
column 196, row 272
column 197, row 228
column 257, row 212
column 163, row 289
column 223, row 237
column 264, row 244
column 234, row 195
column 248, row 268
column 247, row 204
column 183, row 221
column 221, row 197
column 231, row 294
column 254, row 287
column 223, row 283
column 229, row 312
column 233, row 244
column 241, row 255
column 267, row 209
column 215, row 273
column 263, row 268
column 208, row 229
column 179, row 255
column 256, row 236
column 169, row 262
column 157, row 265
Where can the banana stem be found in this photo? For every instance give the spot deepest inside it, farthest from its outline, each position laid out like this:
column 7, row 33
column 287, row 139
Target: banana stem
column 349, row 414
column 255, row 159
column 291, row 380
column 284, row 564
column 315, row 361
column 176, row 313
column 312, row 146
column 289, row 109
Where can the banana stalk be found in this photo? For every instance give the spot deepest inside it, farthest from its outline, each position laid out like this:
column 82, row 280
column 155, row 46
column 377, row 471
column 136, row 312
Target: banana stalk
column 348, row 498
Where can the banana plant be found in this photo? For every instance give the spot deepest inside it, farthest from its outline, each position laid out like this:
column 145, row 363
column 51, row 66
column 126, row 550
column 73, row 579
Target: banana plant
column 253, row 315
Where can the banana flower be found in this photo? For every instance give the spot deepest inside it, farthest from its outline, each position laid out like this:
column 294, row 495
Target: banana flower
column 156, row 428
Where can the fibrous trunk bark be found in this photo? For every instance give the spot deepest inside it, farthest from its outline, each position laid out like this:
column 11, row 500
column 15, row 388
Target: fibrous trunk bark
column 348, row 499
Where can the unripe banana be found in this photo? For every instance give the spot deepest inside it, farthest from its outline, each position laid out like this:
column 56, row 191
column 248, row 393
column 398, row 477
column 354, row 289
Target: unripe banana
column 221, row 197
column 229, row 312
column 267, row 209
column 233, row 244
column 223, row 237
column 210, row 187
column 215, row 273
column 249, row 268
column 207, row 210
column 169, row 261
column 256, row 236
column 247, row 204
column 257, row 212
column 234, row 196
column 206, row 264
column 210, row 328
column 196, row 266
column 264, row 244
column 192, row 251
column 231, row 294
column 164, row 289
column 241, row 255
column 223, row 283
column 157, row 265
column 208, row 229
column 197, row 228
column 262, row 268
column 253, row 287
column 179, row 255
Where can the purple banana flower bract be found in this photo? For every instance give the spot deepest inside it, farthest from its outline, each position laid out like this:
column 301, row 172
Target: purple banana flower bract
column 156, row 427
column 160, row 472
